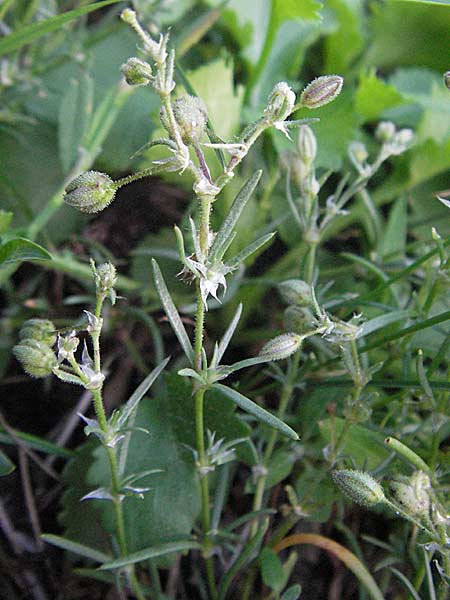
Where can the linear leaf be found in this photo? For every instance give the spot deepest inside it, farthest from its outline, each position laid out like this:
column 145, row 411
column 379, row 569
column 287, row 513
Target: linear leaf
column 35, row 442
column 250, row 249
column 257, row 411
column 75, row 547
column 140, row 391
column 382, row 321
column 29, row 33
column 224, row 342
column 226, row 230
column 151, row 552
column 20, row 249
column 172, row 313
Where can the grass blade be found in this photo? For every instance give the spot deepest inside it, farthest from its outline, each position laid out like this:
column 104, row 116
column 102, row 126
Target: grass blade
column 151, row 552
column 75, row 547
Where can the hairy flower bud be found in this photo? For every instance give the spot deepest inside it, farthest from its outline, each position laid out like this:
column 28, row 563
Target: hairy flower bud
column 306, row 144
column 296, row 291
column 106, row 276
column 137, row 71
column 281, row 347
column 191, row 116
column 321, row 91
column 299, row 319
column 385, row 131
column 41, row 330
column 90, row 192
column 36, row 357
column 361, row 487
column 280, row 103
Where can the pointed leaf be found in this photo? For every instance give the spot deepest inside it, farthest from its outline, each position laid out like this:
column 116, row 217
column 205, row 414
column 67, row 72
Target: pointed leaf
column 98, row 494
column 224, row 342
column 232, row 218
column 75, row 547
column 172, row 313
column 139, row 392
column 6, row 466
column 20, row 249
column 152, row 552
column 257, row 411
column 249, row 250
column 382, row 321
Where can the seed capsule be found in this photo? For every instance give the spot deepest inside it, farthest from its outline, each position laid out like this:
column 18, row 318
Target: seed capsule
column 136, row 71
column 361, row 487
column 306, row 144
column 281, row 347
column 191, row 116
column 41, row 330
column 296, row 291
column 90, row 192
column 280, row 103
column 36, row 358
column 321, row 91
column 299, row 319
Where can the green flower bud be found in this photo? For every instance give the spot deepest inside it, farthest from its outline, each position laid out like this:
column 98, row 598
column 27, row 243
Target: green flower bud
column 321, row 91
column 191, row 116
column 361, row 487
column 412, row 493
column 447, row 79
column 106, row 276
column 306, row 144
column 299, row 319
column 137, row 72
column 296, row 291
column 90, row 192
column 41, row 330
column 281, row 347
column 280, row 103
column 385, row 131
column 358, row 153
column 36, row 357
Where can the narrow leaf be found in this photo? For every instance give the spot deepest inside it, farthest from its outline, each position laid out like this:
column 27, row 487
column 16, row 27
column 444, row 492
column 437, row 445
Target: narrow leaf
column 225, row 341
column 29, row 33
column 139, row 392
column 257, row 411
column 20, row 249
column 172, row 313
column 35, row 442
column 382, row 321
column 152, row 552
column 250, row 249
column 232, row 218
column 75, row 547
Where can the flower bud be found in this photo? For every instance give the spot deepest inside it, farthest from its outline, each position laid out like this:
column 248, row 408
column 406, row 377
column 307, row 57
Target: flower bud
column 191, row 116
column 296, row 291
column 321, row 91
column 385, row 131
column 306, row 144
column 412, row 493
column 447, row 79
column 36, row 357
column 136, row 72
column 281, row 347
column 299, row 319
column 358, row 153
column 105, row 277
column 361, row 487
column 280, row 103
column 90, row 192
column 41, row 330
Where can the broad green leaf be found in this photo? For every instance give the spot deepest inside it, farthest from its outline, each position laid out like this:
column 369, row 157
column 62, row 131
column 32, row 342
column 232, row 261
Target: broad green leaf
column 315, row 494
column 6, row 466
column 292, row 593
column 76, row 548
column 5, row 220
column 364, row 446
column 172, row 313
column 272, row 571
column 374, row 96
column 30, row 33
column 257, row 411
column 21, row 249
column 291, row 10
column 278, row 467
column 226, row 230
column 152, row 552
